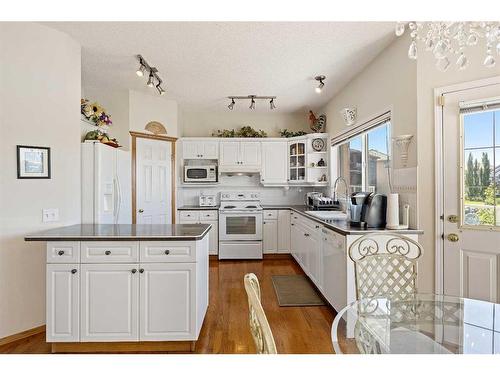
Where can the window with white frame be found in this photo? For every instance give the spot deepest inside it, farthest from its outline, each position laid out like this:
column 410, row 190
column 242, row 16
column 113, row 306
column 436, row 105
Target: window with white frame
column 364, row 157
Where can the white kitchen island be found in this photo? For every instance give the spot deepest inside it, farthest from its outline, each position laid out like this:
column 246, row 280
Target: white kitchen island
column 125, row 287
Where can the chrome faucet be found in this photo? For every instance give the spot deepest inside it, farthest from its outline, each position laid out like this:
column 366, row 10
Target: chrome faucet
column 342, row 179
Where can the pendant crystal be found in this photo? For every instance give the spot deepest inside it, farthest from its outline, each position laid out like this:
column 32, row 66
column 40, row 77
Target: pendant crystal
column 440, row 50
column 489, row 61
column 472, row 40
column 462, row 62
column 443, row 64
column 400, row 29
column 412, row 51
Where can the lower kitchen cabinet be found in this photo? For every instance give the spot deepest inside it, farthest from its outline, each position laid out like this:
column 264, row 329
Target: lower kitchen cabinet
column 270, row 236
column 334, row 268
column 63, row 311
column 110, row 302
column 203, row 217
column 167, row 293
column 284, row 231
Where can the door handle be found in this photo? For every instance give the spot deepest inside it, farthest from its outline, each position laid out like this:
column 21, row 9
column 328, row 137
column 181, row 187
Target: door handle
column 452, row 218
column 452, row 237
column 141, row 210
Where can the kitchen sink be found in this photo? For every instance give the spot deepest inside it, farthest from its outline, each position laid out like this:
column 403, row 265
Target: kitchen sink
column 328, row 215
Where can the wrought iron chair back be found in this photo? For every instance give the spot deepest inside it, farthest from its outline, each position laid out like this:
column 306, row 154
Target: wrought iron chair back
column 385, row 265
column 259, row 326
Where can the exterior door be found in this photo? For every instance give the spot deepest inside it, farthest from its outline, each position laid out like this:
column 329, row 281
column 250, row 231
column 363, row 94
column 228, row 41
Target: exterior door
column 63, row 302
column 167, row 297
column 109, row 302
column 153, row 181
column 471, row 193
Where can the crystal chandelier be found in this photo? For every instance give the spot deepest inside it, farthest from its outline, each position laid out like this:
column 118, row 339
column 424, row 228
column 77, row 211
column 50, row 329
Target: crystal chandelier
column 449, row 40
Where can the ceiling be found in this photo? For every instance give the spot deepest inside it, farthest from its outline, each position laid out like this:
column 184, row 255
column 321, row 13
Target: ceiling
column 201, row 63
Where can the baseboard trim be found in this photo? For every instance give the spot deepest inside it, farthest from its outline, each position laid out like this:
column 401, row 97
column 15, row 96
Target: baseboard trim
column 277, row 256
column 22, row 335
column 123, row 347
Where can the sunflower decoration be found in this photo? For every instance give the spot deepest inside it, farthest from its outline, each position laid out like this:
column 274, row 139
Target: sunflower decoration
column 95, row 113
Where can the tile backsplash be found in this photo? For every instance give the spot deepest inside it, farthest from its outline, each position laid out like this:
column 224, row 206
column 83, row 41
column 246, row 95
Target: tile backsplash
column 269, row 195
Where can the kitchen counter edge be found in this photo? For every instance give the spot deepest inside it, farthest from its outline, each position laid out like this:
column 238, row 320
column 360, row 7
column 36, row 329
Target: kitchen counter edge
column 342, row 227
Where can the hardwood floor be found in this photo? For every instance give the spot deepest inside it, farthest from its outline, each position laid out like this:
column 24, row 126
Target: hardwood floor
column 226, row 330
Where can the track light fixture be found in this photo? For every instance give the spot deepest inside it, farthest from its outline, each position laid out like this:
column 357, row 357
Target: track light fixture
column 252, row 103
column 252, row 99
column 144, row 67
column 272, row 105
column 320, row 79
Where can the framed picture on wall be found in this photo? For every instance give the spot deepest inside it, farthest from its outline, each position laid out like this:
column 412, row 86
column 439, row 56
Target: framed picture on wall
column 33, row 162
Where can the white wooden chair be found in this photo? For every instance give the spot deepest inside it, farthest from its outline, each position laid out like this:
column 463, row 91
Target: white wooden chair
column 259, row 326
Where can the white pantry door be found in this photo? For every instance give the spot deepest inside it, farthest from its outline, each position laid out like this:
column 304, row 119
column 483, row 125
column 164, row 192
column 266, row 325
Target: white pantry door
column 471, row 194
column 153, row 181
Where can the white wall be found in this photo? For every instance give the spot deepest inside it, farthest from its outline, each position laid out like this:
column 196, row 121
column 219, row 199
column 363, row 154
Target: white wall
column 387, row 83
column 116, row 103
column 152, row 107
column 429, row 78
column 39, row 105
column 203, row 124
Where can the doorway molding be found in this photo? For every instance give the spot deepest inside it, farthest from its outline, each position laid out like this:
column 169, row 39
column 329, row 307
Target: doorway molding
column 164, row 138
column 439, row 102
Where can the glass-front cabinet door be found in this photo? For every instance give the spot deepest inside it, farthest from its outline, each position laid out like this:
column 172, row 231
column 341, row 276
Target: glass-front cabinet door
column 297, row 161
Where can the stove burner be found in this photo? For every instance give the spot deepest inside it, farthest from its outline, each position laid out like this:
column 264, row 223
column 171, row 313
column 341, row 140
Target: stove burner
column 229, row 206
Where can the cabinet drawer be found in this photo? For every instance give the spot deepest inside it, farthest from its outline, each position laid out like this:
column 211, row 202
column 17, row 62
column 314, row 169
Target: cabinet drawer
column 168, row 252
column 189, row 215
column 271, row 214
column 208, row 215
column 63, row 252
column 110, row 252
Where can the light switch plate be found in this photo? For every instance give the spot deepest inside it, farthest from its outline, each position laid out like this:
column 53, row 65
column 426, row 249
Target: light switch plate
column 50, row 214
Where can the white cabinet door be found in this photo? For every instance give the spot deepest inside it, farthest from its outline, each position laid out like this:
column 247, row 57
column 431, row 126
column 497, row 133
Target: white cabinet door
column 167, row 306
column 284, row 231
column 250, row 154
column 191, row 149
column 213, row 245
column 63, row 302
column 270, row 236
column 210, row 149
column 274, row 162
column 109, row 302
column 334, row 269
column 313, row 259
column 229, row 154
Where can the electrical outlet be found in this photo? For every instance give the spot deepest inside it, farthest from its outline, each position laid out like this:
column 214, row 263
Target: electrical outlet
column 50, row 214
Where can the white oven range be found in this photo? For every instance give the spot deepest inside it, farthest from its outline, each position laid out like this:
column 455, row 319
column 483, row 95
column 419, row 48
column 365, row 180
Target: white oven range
column 240, row 226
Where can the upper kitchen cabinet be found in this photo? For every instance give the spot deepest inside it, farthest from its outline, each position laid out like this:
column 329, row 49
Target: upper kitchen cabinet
column 200, row 149
column 308, row 160
column 240, row 155
column 274, row 163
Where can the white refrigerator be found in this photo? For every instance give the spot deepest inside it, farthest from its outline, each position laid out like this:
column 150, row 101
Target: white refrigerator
column 106, row 185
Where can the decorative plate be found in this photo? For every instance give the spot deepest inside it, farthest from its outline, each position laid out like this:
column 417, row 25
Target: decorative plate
column 318, row 144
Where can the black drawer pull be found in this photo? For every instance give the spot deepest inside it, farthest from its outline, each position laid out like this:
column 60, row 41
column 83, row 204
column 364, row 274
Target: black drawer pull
column 60, row 252
column 107, row 252
column 167, row 252
column 73, row 271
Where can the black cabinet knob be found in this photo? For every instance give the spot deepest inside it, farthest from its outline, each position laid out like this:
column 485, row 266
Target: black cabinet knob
column 60, row 252
column 73, row 271
column 134, row 270
column 107, row 252
column 167, row 252
column 141, row 270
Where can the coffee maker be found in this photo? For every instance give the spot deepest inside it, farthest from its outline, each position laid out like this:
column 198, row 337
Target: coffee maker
column 368, row 210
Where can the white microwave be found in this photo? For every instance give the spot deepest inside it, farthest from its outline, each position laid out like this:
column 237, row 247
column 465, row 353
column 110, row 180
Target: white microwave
column 200, row 173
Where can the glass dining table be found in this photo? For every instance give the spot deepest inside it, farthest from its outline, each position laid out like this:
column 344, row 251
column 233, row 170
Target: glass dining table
column 422, row 324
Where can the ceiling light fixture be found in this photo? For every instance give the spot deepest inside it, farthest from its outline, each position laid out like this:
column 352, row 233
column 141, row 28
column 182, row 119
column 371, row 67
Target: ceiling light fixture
column 153, row 74
column 320, row 79
column 272, row 105
column 252, row 99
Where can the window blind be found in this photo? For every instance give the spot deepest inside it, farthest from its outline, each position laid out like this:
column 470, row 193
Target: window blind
column 350, row 133
column 480, row 106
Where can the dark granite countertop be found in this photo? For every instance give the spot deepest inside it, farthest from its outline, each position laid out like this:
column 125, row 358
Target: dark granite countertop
column 123, row 232
column 338, row 225
column 195, row 207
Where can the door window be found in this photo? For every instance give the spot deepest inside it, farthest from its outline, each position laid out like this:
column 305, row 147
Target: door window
column 480, row 168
